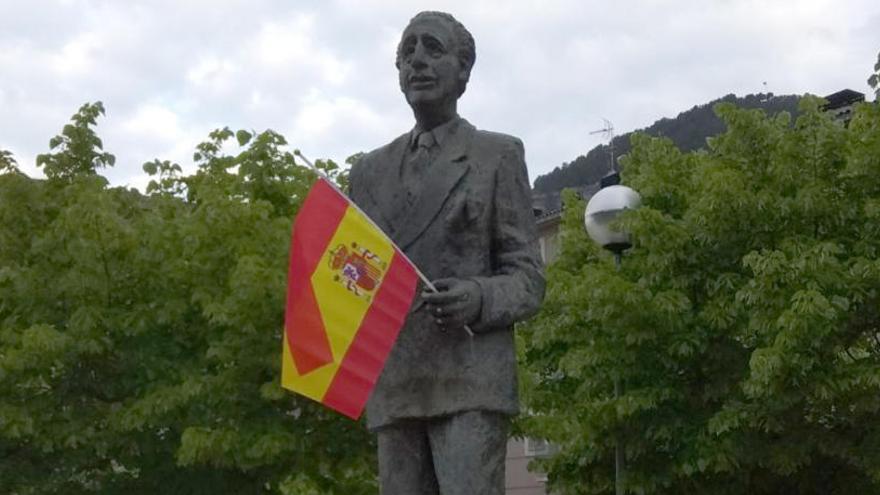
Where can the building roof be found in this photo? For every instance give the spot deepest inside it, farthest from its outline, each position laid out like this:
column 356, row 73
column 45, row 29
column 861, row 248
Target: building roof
column 546, row 204
column 842, row 98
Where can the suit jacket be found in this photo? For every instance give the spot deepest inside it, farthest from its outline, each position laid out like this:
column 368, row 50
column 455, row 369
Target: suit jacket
column 472, row 219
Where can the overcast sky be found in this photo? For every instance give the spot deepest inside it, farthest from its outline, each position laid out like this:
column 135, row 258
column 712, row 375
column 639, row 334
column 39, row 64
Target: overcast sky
column 322, row 73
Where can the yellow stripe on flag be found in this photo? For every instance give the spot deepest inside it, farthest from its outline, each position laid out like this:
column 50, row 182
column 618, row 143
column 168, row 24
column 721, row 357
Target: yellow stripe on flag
column 313, row 385
column 342, row 310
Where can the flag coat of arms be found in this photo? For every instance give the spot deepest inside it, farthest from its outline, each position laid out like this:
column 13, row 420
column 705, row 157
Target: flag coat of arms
column 348, row 293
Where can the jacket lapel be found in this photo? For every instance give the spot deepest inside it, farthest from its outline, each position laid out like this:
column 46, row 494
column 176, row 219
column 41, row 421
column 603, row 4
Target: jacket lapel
column 445, row 173
column 385, row 192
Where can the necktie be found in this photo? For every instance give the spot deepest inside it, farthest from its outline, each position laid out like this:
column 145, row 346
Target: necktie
column 426, row 140
column 417, row 165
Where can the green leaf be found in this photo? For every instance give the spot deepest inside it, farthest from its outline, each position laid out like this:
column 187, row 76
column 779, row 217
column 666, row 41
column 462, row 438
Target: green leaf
column 243, row 137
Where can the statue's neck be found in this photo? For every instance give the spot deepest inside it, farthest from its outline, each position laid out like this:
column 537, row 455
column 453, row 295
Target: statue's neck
column 429, row 118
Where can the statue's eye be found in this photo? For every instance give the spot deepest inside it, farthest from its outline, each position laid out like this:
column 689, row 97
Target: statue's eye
column 408, row 47
column 433, row 47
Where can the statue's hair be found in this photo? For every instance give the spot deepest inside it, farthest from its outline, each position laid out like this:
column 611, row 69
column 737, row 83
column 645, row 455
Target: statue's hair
column 464, row 42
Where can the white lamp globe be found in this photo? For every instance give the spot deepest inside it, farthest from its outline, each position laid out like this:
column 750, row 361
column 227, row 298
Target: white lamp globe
column 602, row 209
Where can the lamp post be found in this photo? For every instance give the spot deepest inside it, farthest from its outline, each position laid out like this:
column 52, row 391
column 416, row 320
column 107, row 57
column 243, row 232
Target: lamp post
column 602, row 209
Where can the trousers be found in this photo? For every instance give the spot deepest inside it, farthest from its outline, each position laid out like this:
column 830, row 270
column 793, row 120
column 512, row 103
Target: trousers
column 460, row 454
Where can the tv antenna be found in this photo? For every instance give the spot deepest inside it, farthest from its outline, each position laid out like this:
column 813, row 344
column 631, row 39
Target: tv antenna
column 607, row 132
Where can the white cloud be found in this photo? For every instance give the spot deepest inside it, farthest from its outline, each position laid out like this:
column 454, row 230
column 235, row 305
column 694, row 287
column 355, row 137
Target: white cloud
column 319, row 114
column 153, row 120
column 212, row 73
column 322, row 72
column 77, row 56
column 289, row 47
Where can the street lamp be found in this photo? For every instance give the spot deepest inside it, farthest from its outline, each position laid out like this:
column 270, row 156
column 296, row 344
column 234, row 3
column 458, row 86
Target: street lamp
column 602, row 209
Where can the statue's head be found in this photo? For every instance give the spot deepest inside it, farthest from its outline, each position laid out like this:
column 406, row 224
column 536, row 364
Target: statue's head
column 434, row 59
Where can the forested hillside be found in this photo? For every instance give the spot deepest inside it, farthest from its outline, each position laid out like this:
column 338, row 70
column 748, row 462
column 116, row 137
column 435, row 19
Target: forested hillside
column 688, row 131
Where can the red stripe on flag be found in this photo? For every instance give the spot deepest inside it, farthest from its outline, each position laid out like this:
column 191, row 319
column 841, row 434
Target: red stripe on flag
column 315, row 224
column 360, row 368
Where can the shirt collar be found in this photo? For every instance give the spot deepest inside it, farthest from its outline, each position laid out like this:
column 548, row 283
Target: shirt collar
column 440, row 132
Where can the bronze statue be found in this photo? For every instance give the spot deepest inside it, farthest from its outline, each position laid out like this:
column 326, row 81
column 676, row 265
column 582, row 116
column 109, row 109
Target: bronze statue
column 457, row 201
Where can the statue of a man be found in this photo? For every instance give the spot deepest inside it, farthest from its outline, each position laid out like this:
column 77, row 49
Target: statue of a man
column 457, row 201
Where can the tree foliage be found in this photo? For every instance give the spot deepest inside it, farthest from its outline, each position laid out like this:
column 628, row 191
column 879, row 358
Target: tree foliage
column 79, row 149
column 140, row 334
column 8, row 163
column 743, row 327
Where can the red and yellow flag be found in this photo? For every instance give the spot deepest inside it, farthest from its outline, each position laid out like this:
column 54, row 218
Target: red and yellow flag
column 348, row 292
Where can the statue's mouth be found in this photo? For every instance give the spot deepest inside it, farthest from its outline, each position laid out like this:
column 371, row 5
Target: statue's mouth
column 421, row 82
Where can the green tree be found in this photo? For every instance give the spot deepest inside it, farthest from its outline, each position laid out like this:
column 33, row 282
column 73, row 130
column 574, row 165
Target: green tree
column 743, row 325
column 140, row 334
column 79, row 149
column 7, row 162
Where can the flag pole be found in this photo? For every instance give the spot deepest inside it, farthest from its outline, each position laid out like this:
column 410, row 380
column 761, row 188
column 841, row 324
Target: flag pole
column 329, row 181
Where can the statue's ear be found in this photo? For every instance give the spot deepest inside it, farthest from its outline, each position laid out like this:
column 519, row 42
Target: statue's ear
column 463, row 76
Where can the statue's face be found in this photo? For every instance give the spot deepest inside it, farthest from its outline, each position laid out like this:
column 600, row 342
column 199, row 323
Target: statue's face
column 430, row 72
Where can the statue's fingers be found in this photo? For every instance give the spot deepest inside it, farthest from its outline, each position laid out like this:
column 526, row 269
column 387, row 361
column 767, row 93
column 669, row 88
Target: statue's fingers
column 444, row 284
column 439, row 311
column 440, row 298
column 456, row 308
column 448, row 323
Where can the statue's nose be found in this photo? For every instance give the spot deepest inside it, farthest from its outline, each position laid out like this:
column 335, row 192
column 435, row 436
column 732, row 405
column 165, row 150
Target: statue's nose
column 419, row 57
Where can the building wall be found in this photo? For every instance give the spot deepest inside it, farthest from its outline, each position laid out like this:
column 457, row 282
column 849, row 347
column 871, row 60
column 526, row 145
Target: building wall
column 548, row 237
column 518, row 479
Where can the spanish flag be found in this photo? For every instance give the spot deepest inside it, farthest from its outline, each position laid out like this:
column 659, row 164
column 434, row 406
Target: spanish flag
column 348, row 292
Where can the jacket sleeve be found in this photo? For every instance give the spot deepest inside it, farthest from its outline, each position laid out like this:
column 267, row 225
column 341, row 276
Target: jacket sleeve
column 515, row 289
column 354, row 179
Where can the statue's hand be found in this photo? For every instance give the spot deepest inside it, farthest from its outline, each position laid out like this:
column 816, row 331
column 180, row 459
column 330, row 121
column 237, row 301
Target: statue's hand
column 457, row 303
